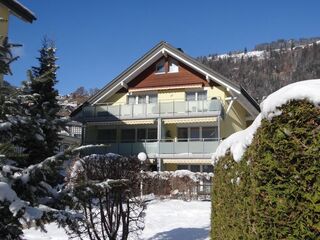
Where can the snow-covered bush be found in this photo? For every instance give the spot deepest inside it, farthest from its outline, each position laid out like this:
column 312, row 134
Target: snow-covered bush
column 104, row 189
column 266, row 183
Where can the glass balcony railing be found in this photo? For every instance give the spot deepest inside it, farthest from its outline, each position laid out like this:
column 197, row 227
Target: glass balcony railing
column 151, row 110
column 188, row 148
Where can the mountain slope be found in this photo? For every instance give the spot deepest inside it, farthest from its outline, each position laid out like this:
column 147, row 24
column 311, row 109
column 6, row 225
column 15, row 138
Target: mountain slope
column 267, row 69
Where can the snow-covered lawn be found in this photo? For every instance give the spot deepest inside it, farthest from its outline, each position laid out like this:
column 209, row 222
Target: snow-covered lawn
column 177, row 220
column 165, row 220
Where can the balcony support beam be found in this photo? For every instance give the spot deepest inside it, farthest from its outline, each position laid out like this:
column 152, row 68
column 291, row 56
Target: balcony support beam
column 83, row 134
column 159, row 164
column 219, row 133
column 159, row 129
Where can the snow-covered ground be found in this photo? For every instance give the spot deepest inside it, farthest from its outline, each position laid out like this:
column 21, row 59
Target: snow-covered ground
column 165, row 220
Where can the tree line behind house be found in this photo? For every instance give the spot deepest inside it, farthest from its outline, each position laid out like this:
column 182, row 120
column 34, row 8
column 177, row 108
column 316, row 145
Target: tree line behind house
column 270, row 66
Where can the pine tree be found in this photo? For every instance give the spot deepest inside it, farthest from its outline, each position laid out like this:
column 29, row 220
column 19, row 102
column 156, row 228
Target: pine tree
column 30, row 188
column 44, row 111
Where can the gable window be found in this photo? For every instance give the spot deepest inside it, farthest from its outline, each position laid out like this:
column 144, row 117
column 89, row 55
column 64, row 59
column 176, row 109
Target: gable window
column 160, row 67
column 173, row 66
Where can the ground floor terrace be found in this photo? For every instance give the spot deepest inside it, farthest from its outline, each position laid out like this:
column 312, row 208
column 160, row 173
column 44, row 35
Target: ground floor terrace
column 170, row 144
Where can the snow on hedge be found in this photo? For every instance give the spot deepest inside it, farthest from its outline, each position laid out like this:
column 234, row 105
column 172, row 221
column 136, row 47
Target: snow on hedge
column 238, row 142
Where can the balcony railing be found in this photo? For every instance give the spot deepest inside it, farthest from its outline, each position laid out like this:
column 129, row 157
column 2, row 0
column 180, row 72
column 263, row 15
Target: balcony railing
column 152, row 110
column 184, row 148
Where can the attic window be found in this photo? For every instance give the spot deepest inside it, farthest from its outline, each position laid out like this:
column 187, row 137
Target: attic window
column 160, row 67
column 173, row 66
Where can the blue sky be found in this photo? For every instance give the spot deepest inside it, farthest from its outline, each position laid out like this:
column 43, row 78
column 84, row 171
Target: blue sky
column 96, row 40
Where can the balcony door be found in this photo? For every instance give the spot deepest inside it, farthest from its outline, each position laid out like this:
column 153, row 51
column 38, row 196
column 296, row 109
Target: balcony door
column 197, row 133
column 196, row 101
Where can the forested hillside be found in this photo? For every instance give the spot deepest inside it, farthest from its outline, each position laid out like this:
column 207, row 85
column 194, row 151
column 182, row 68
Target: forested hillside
column 269, row 66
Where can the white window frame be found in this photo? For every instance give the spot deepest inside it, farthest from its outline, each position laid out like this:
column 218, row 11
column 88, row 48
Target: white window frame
column 146, row 95
column 192, row 126
column 175, row 62
column 196, row 94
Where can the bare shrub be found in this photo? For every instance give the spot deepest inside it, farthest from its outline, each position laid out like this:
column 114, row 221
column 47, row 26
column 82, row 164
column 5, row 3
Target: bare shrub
column 104, row 190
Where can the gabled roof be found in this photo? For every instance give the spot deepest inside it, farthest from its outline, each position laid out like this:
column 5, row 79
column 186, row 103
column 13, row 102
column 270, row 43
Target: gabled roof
column 164, row 49
column 19, row 10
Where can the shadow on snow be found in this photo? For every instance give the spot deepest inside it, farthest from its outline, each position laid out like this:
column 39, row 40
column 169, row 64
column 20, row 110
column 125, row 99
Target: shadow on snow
column 183, row 234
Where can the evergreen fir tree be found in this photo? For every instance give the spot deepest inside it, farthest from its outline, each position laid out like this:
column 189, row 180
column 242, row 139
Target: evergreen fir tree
column 44, row 110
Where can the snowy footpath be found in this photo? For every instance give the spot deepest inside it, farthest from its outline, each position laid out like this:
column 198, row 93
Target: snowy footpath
column 165, row 220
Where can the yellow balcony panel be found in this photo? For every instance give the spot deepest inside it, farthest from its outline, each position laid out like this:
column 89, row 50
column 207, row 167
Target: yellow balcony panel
column 190, row 120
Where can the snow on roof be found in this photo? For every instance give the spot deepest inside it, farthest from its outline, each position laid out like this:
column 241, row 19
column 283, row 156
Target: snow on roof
column 238, row 142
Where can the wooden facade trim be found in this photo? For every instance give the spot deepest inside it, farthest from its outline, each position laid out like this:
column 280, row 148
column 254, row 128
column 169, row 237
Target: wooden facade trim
column 186, row 76
column 193, row 86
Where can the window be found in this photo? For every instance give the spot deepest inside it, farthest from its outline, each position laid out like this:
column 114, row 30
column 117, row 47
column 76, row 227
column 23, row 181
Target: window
column 196, row 96
column 173, row 66
column 131, row 99
column 182, row 134
column 210, row 133
column 149, row 134
column 107, row 136
column 202, row 95
column 207, row 168
column 195, row 168
column 190, row 96
column 195, row 133
column 128, row 135
column 160, row 68
column 182, row 167
column 142, row 99
column 141, row 134
column 152, row 134
column 153, row 98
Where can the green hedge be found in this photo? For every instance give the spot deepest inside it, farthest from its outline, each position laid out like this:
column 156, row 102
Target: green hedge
column 277, row 195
